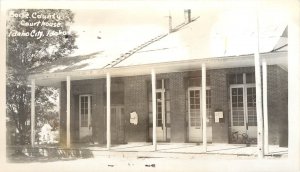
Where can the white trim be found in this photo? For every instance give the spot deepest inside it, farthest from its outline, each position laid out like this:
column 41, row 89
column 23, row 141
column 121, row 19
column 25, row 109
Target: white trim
column 236, row 86
column 194, row 88
column 163, row 117
column 160, row 90
column 89, row 110
column 245, row 103
column 197, row 88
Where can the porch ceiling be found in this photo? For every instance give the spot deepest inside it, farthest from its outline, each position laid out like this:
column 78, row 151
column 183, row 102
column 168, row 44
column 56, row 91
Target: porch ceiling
column 54, row 79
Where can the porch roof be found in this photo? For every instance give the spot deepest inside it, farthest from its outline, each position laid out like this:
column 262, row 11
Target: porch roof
column 216, row 38
column 54, row 79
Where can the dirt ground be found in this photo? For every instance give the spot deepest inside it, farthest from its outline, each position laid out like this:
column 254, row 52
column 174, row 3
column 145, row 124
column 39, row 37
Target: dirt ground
column 205, row 162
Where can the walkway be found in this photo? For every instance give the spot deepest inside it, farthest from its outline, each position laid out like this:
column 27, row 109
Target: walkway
column 188, row 150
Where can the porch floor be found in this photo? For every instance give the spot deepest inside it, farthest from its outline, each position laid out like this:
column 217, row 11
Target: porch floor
column 177, row 150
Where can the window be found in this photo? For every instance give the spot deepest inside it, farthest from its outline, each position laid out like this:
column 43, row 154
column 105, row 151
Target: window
column 162, row 108
column 194, row 108
column 251, row 95
column 237, row 106
column 251, row 103
column 195, row 104
column 236, row 78
column 85, row 110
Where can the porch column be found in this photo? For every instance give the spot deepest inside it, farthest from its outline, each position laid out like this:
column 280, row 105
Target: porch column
column 153, row 79
column 32, row 112
column 294, row 86
column 68, row 110
column 108, row 134
column 258, row 86
column 203, row 93
column 265, row 107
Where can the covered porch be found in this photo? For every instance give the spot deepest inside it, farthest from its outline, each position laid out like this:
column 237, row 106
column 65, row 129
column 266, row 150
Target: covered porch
column 161, row 68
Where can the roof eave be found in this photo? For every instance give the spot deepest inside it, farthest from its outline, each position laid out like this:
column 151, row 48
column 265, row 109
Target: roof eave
column 54, row 79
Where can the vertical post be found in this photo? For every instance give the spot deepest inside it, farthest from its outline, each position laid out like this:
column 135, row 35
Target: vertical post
column 265, row 107
column 68, row 111
column 258, row 96
column 294, row 86
column 203, row 93
column 32, row 112
column 108, row 134
column 153, row 79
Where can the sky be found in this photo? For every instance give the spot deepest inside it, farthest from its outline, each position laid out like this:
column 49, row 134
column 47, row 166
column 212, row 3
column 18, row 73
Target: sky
column 108, row 29
column 118, row 30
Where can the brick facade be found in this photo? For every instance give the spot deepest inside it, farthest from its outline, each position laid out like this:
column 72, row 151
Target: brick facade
column 220, row 99
column 178, row 109
column 135, row 100
column 132, row 93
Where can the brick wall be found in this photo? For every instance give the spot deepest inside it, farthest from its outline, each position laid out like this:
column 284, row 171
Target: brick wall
column 177, row 105
column 277, row 105
column 273, row 108
column 283, row 124
column 135, row 100
column 220, row 97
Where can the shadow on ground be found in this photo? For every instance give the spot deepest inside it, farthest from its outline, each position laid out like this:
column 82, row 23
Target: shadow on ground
column 38, row 154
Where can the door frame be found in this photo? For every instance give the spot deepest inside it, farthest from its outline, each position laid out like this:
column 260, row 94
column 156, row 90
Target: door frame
column 189, row 111
column 163, row 115
column 118, row 108
column 90, row 131
column 245, row 106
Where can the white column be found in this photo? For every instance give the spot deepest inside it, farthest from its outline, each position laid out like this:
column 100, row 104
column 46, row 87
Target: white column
column 32, row 112
column 258, row 97
column 203, row 97
column 265, row 107
column 153, row 79
column 108, row 134
column 68, row 111
column 294, row 86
